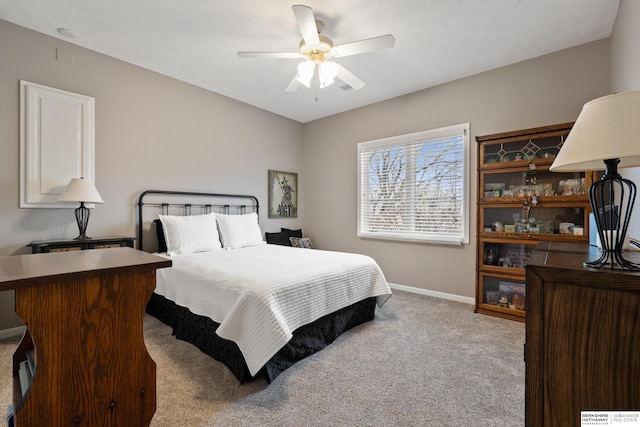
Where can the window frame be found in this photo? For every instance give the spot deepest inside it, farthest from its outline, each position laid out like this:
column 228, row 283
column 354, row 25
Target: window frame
column 405, row 141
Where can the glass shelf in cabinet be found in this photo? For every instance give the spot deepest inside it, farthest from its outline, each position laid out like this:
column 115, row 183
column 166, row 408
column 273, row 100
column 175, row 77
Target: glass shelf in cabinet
column 506, row 255
column 504, row 292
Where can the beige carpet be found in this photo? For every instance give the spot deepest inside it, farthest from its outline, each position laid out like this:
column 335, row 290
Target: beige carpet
column 422, row 362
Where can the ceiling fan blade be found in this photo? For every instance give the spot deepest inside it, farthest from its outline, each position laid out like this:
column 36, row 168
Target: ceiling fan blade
column 281, row 55
column 293, row 85
column 349, row 78
column 367, row 45
column 307, row 23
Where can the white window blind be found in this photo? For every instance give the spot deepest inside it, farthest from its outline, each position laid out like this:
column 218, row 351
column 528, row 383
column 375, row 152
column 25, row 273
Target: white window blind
column 415, row 187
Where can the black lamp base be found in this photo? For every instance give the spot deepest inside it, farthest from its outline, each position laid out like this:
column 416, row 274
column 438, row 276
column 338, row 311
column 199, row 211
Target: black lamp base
column 613, row 260
column 82, row 218
column 612, row 200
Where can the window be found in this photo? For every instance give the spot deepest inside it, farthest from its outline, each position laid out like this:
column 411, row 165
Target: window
column 415, row 187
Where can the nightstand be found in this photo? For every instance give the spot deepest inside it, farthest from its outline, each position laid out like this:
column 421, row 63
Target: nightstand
column 64, row 245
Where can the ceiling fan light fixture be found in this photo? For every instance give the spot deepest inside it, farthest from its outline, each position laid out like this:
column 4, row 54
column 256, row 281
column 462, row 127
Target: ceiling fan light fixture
column 316, row 49
column 305, row 72
column 327, row 72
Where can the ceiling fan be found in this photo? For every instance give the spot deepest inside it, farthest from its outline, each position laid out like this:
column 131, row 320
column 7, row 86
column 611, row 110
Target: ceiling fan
column 316, row 50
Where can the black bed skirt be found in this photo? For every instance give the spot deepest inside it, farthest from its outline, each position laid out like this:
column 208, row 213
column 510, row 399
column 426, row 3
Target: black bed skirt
column 307, row 340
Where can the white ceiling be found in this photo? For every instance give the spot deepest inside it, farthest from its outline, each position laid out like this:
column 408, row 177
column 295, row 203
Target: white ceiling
column 437, row 41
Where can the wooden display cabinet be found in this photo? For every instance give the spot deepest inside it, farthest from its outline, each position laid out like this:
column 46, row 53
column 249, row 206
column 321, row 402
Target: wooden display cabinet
column 521, row 203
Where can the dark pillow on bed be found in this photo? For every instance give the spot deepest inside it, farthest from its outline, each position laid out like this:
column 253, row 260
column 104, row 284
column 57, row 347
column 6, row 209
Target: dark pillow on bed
column 281, row 238
column 162, row 243
column 292, row 233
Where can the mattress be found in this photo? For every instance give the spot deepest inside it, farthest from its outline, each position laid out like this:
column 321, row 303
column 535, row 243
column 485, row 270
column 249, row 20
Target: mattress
column 259, row 295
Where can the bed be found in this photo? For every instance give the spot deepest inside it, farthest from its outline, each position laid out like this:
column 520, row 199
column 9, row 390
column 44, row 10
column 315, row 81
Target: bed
column 258, row 308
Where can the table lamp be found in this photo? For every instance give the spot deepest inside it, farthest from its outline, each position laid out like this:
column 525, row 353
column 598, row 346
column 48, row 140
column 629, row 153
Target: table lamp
column 607, row 132
column 83, row 191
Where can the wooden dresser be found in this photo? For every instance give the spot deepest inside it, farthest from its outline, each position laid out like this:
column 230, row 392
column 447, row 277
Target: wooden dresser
column 84, row 313
column 582, row 336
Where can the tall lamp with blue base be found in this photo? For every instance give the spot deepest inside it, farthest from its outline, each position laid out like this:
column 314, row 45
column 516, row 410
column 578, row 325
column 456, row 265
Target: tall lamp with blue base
column 607, row 132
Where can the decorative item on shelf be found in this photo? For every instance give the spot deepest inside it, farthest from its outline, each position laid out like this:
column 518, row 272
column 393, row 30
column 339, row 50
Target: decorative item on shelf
column 607, row 131
column 545, row 226
column 489, row 256
column 525, row 209
column 548, row 190
column 566, row 228
column 492, row 186
column 521, row 225
column 496, row 188
column 529, row 177
column 571, row 187
column 503, row 301
column 83, row 191
column 492, row 297
column 515, row 294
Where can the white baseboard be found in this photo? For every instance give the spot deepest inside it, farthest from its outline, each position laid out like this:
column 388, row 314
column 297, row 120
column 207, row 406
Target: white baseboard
column 12, row 332
column 435, row 294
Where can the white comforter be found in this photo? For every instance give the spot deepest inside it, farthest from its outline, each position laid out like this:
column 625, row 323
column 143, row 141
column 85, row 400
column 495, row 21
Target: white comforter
column 261, row 294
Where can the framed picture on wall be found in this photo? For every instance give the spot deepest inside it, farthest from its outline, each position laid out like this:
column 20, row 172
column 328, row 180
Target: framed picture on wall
column 283, row 194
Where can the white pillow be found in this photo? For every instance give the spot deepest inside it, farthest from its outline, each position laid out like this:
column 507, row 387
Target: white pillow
column 187, row 234
column 239, row 231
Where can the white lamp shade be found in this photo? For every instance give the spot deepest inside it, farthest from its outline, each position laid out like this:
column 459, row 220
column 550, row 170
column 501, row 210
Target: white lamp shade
column 607, row 128
column 80, row 190
column 327, row 72
column 305, row 72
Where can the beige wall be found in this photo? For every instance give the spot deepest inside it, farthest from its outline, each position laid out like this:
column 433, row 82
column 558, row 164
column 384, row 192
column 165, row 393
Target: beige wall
column 625, row 48
column 625, row 74
column 155, row 132
column 547, row 90
column 152, row 132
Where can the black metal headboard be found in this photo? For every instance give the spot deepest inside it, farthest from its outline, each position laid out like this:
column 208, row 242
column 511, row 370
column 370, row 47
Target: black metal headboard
column 152, row 203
